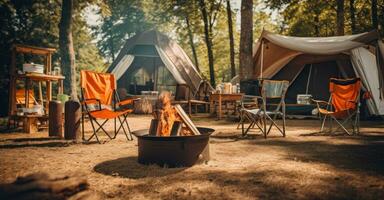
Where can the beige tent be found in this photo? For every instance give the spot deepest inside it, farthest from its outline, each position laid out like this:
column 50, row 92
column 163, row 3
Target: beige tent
column 151, row 61
column 309, row 62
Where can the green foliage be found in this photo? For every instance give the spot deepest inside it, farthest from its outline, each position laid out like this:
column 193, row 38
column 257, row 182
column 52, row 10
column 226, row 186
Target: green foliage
column 318, row 18
column 35, row 22
column 125, row 20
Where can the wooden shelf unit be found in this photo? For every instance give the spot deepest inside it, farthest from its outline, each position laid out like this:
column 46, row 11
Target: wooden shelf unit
column 28, row 78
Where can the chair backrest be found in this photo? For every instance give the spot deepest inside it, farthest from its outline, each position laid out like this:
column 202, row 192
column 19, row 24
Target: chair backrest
column 183, row 92
column 274, row 88
column 20, row 97
column 99, row 86
column 345, row 93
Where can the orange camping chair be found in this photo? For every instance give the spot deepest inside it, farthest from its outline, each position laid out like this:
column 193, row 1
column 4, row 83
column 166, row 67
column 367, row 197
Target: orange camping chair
column 343, row 104
column 20, row 98
column 101, row 101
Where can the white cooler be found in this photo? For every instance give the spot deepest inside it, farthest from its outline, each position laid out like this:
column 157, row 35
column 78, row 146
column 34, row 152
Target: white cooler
column 33, row 68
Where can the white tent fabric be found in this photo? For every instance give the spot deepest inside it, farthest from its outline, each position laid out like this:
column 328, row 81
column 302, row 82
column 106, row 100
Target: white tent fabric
column 169, row 65
column 315, row 45
column 365, row 66
column 122, row 66
column 156, row 44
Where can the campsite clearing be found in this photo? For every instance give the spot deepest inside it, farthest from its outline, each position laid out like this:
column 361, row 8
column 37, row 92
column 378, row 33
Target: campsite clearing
column 300, row 166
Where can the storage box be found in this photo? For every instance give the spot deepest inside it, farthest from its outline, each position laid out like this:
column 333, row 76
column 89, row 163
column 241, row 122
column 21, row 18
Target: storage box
column 33, row 68
column 304, row 99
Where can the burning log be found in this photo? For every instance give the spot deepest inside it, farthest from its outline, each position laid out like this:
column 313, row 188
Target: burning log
column 168, row 119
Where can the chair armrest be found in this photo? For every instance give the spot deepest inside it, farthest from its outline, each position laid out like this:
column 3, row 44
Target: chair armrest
column 126, row 101
column 90, row 101
column 320, row 102
column 252, row 97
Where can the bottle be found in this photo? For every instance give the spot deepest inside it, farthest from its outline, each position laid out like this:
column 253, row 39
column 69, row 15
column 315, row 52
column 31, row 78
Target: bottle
column 237, row 87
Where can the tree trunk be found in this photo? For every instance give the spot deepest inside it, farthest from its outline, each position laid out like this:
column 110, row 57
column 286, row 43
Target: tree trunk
column 375, row 22
column 340, row 17
column 246, row 39
column 66, row 49
column 317, row 24
column 352, row 14
column 208, row 41
column 190, row 34
column 231, row 41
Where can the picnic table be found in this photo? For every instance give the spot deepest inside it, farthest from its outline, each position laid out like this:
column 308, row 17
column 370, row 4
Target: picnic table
column 220, row 98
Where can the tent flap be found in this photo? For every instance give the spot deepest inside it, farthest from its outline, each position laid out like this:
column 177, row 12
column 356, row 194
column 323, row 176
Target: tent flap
column 122, row 66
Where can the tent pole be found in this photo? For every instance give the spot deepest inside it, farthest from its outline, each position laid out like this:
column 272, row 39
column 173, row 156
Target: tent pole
column 309, row 78
column 262, row 59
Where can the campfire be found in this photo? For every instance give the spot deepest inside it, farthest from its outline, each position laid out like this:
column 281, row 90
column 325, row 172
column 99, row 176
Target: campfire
column 172, row 139
column 171, row 120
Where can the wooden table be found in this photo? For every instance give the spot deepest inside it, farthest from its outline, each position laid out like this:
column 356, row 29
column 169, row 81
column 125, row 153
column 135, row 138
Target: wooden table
column 220, row 98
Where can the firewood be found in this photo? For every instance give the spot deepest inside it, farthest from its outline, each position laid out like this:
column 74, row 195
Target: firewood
column 187, row 121
column 42, row 186
column 176, row 128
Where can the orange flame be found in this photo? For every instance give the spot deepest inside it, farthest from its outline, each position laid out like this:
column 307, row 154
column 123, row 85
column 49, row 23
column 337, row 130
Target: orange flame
column 167, row 115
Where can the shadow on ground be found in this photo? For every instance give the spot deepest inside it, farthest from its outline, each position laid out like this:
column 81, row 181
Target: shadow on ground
column 358, row 153
column 128, row 167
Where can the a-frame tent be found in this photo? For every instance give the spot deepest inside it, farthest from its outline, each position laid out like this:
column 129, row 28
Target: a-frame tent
column 309, row 62
column 152, row 61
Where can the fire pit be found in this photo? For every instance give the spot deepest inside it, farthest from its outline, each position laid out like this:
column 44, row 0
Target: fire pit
column 174, row 151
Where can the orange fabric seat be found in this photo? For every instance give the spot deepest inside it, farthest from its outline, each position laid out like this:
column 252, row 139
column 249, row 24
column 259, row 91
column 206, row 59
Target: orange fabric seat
column 108, row 114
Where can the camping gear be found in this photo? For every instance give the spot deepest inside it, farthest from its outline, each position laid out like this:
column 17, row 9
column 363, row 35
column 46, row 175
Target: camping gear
column 63, row 98
column 309, row 62
column 271, row 89
column 33, row 68
column 227, row 88
column 343, row 103
column 173, row 151
column 100, row 89
column 57, row 71
column 304, row 99
column 151, row 61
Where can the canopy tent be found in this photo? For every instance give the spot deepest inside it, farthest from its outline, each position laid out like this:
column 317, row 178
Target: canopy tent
column 309, row 62
column 151, row 61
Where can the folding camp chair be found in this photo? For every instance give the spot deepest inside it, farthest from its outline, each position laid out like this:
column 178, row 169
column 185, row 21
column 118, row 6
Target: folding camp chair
column 260, row 117
column 98, row 91
column 21, row 97
column 184, row 96
column 343, row 104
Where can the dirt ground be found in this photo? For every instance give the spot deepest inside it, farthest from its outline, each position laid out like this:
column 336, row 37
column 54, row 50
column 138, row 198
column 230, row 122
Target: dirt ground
column 300, row 166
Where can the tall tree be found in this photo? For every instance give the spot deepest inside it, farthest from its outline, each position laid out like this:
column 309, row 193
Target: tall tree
column 231, row 40
column 246, row 38
column 208, row 40
column 375, row 22
column 340, row 17
column 191, row 42
column 352, row 14
column 66, row 48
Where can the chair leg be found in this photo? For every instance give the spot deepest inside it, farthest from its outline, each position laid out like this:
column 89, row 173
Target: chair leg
column 341, row 125
column 129, row 129
column 323, row 123
column 94, row 132
column 122, row 125
column 265, row 126
column 283, row 124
